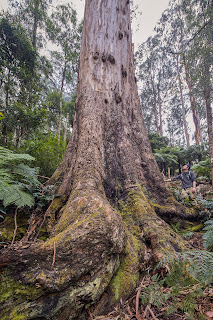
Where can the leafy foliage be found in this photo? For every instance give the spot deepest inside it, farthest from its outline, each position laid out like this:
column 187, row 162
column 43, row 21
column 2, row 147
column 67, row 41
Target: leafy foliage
column 202, row 169
column 46, row 151
column 157, row 142
column 16, row 179
column 154, row 293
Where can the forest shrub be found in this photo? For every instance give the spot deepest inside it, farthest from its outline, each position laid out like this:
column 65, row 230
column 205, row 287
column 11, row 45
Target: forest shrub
column 47, row 153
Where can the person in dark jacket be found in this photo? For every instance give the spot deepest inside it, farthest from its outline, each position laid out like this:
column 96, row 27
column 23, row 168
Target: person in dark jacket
column 188, row 180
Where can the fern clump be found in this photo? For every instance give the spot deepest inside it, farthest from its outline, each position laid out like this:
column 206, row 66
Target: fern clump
column 17, row 179
column 154, row 293
column 198, row 263
column 177, row 292
column 208, row 235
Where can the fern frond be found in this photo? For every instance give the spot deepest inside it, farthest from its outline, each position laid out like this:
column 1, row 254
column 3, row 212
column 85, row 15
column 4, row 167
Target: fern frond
column 208, row 235
column 7, row 156
column 199, row 263
column 26, row 172
column 15, row 195
column 5, row 175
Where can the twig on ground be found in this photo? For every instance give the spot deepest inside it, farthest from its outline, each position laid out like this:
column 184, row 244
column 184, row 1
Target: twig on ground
column 152, row 313
column 41, row 225
column 43, row 177
column 15, row 220
column 137, row 300
column 54, row 255
column 128, row 310
column 145, row 311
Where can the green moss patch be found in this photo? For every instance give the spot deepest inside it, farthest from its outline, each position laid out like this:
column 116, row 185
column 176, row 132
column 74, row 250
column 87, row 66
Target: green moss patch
column 127, row 276
column 13, row 294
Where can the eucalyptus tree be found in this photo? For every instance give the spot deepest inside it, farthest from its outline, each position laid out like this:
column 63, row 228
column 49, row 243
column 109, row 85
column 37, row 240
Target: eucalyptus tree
column 175, row 36
column 154, row 72
column 105, row 185
column 65, row 32
column 18, row 87
column 33, row 14
column 202, row 57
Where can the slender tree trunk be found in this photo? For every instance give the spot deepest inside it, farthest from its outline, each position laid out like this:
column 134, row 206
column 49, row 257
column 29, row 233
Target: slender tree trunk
column 155, row 104
column 35, row 23
column 189, row 84
column 92, row 256
column 4, row 125
column 207, row 97
column 59, row 120
column 61, row 103
column 169, row 172
column 160, row 113
column 182, row 104
column 65, row 129
column 192, row 102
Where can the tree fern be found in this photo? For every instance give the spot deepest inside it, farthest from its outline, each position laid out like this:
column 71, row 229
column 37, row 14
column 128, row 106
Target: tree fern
column 5, row 176
column 16, row 179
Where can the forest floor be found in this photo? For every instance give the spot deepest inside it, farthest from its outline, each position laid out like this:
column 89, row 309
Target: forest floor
column 189, row 304
column 133, row 309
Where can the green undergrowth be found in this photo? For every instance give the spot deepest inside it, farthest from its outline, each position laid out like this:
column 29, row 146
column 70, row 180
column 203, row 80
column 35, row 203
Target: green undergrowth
column 188, row 276
column 178, row 292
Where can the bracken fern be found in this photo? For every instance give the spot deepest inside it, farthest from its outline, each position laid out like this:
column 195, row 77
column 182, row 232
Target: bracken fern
column 208, row 235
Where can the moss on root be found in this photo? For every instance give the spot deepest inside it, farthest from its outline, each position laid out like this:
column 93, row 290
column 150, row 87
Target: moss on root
column 140, row 212
column 127, row 276
column 13, row 295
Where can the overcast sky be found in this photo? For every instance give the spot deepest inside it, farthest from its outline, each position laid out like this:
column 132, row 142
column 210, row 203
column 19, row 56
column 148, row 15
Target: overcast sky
column 145, row 23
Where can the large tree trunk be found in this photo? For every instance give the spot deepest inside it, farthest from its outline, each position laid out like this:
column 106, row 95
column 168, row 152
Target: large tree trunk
column 109, row 214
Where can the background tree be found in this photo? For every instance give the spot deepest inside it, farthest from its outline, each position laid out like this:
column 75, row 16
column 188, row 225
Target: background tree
column 18, row 87
column 65, row 33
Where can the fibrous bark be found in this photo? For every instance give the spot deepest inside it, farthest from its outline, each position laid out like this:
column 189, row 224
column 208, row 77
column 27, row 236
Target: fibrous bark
column 105, row 222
